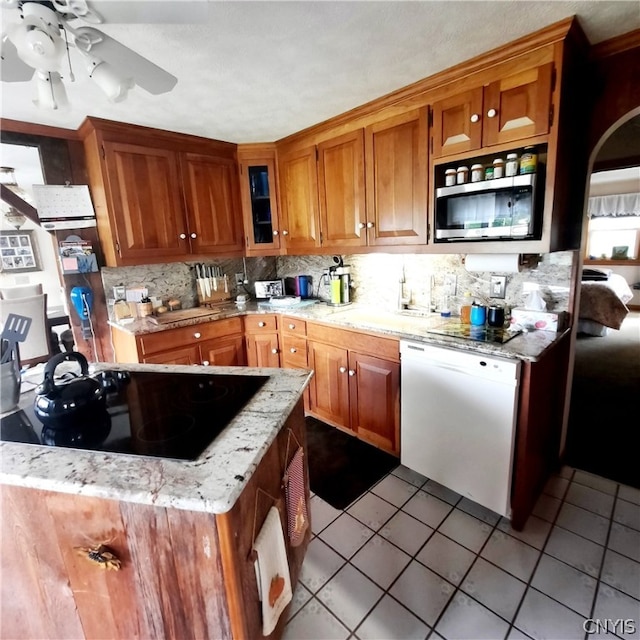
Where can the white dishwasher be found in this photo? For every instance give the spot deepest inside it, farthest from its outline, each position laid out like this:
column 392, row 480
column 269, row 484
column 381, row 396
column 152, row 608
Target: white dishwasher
column 457, row 421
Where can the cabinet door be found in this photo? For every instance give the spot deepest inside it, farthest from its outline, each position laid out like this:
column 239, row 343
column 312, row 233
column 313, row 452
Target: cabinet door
column 342, row 191
column 374, row 391
column 224, row 352
column 518, row 106
column 457, row 123
column 184, row 355
column 260, row 205
column 147, row 205
column 329, row 388
column 397, row 170
column 299, row 199
column 263, row 350
column 212, row 203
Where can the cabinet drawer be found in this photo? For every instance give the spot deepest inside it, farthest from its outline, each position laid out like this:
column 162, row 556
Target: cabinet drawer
column 294, row 351
column 184, row 336
column 260, row 323
column 291, row 325
column 386, row 348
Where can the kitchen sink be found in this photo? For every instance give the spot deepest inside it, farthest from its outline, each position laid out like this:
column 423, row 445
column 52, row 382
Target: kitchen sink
column 381, row 319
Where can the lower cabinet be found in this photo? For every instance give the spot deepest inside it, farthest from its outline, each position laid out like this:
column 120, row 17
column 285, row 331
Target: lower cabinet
column 183, row 574
column 220, row 342
column 354, row 389
column 263, row 344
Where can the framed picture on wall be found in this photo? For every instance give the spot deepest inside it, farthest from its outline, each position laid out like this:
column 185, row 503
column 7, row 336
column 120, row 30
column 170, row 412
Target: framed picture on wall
column 19, row 252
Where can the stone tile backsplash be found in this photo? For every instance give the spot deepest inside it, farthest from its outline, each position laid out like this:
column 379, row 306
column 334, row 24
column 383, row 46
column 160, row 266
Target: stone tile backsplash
column 376, row 278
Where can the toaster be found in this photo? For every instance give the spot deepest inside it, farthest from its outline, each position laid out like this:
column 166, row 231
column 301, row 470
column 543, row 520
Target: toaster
column 269, row 288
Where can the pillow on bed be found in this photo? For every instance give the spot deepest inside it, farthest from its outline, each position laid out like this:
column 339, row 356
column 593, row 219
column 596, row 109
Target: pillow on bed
column 599, row 303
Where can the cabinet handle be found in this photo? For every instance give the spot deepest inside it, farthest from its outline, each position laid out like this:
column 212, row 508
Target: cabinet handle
column 292, row 326
column 293, row 350
column 285, row 232
column 274, row 351
column 342, row 369
column 182, row 236
column 475, row 117
column 275, row 233
column 194, row 236
column 197, row 334
column 491, row 113
column 361, row 225
column 205, row 363
column 262, row 324
column 369, row 225
column 352, row 372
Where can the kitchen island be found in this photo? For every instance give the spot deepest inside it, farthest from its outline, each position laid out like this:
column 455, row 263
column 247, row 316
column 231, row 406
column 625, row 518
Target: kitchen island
column 182, row 530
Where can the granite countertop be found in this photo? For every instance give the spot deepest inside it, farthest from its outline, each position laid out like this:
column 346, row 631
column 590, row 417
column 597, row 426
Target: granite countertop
column 212, row 483
column 408, row 325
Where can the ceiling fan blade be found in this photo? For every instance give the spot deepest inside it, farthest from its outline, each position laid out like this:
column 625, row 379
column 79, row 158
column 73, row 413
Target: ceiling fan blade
column 147, row 11
column 12, row 68
column 127, row 62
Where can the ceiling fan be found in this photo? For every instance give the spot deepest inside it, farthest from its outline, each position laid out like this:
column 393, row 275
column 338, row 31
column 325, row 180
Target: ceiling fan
column 38, row 45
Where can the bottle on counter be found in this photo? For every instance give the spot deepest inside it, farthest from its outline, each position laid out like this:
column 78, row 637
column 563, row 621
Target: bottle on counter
column 465, row 309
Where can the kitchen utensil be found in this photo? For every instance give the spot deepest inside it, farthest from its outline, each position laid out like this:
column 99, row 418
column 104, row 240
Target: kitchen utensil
column 15, row 330
column 64, row 404
column 478, row 314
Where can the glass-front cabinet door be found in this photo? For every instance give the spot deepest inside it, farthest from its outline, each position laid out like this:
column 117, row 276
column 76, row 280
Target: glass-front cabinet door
column 260, row 205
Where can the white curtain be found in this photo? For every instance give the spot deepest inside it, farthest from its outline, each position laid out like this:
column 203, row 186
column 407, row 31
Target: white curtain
column 622, row 204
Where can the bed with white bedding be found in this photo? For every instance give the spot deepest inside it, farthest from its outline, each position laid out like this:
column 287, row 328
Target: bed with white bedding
column 603, row 303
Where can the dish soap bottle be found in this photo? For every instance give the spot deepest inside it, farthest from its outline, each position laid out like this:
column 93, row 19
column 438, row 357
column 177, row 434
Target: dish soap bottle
column 465, row 309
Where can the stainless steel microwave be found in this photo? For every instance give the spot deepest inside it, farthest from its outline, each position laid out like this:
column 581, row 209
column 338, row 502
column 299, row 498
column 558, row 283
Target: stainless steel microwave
column 499, row 209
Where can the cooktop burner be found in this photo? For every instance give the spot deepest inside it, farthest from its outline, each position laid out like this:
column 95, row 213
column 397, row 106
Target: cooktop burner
column 473, row 332
column 167, row 415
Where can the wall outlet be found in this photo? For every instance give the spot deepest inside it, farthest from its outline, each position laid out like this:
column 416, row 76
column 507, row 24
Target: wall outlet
column 239, row 279
column 450, row 282
column 497, row 286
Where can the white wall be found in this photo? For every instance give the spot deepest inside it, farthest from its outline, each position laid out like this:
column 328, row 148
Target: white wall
column 26, row 161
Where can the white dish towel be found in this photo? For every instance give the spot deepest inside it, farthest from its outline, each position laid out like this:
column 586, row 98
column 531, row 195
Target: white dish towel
column 272, row 571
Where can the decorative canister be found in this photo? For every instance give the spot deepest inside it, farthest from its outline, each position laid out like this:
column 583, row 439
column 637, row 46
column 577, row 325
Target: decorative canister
column 528, row 161
column 498, row 168
column 450, row 177
column 477, row 172
column 462, row 175
column 511, row 168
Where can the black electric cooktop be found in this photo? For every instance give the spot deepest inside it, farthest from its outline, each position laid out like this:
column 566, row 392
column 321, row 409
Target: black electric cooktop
column 167, row 415
column 478, row 333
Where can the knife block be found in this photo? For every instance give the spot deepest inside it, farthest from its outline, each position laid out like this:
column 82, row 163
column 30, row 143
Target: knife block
column 214, row 290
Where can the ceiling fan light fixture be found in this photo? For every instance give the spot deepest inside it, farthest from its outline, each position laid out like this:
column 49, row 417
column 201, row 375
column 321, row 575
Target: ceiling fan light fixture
column 50, row 92
column 110, row 81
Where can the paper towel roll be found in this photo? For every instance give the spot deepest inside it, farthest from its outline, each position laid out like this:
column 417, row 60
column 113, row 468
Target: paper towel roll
column 495, row 262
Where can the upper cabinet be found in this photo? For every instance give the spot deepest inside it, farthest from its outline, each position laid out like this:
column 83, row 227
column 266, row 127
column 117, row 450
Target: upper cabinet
column 397, row 177
column 161, row 196
column 512, row 108
column 259, row 192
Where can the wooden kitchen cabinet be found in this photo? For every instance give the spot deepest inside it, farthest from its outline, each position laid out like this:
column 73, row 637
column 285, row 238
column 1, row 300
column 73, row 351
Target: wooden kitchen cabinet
column 341, row 183
column 356, row 383
column 299, row 199
column 262, row 340
column 512, row 108
column 259, row 193
column 396, row 161
column 161, row 196
column 183, row 574
column 219, row 342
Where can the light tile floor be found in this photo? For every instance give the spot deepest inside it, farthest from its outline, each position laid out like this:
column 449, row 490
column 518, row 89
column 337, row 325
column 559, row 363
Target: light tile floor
column 412, row 559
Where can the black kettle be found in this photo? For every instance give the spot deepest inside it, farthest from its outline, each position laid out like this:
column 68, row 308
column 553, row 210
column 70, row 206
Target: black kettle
column 65, row 403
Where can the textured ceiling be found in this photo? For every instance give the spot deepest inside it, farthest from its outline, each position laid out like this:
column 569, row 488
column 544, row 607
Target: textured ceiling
column 259, row 71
